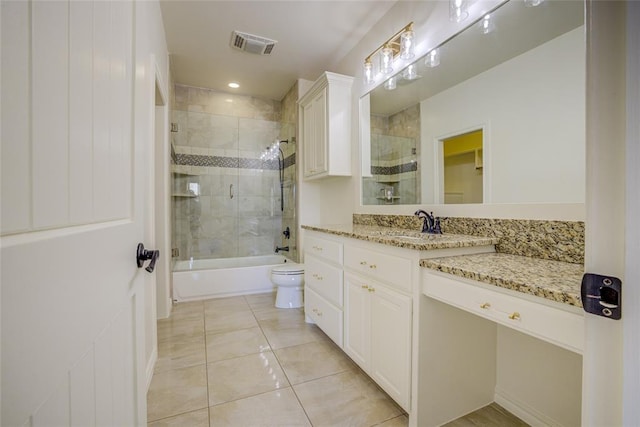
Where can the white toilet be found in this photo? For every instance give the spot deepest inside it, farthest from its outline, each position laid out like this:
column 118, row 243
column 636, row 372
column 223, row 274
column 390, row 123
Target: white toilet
column 289, row 278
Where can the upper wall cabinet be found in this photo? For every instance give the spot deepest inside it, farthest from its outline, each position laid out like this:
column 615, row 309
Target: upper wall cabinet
column 326, row 127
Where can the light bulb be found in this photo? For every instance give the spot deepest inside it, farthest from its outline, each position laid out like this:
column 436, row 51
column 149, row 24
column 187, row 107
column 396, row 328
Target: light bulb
column 410, row 73
column 433, row 58
column 406, row 45
column 486, row 24
column 368, row 72
column 533, row 3
column 390, row 84
column 458, row 10
column 386, row 60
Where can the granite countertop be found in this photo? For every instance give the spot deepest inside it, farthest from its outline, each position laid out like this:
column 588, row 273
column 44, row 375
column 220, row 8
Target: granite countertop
column 553, row 280
column 403, row 238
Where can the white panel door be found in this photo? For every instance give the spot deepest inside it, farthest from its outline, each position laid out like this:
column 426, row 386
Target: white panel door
column 72, row 175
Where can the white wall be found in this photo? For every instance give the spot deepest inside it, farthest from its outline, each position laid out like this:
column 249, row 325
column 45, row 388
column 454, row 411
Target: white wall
column 534, row 149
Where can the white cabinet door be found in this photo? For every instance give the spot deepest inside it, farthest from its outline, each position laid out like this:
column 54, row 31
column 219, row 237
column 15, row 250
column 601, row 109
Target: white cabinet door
column 357, row 320
column 391, row 342
column 378, row 334
column 319, row 148
column 309, row 135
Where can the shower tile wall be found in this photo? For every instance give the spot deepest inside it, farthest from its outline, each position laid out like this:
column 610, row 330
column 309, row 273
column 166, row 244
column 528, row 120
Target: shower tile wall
column 395, row 148
column 226, row 201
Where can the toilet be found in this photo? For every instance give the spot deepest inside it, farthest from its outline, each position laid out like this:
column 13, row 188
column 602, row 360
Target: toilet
column 289, row 278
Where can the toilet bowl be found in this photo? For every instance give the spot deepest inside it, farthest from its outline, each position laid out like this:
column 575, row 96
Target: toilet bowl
column 289, row 279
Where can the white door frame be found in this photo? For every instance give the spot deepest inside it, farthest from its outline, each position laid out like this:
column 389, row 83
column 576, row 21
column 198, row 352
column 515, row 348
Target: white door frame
column 611, row 378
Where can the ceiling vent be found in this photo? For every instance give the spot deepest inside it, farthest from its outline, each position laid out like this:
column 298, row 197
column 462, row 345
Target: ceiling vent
column 252, row 44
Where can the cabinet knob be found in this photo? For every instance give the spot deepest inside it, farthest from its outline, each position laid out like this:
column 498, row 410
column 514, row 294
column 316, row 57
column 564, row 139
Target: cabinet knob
column 372, row 289
column 485, row 306
column 365, row 287
column 319, row 313
column 363, row 262
column 315, row 275
column 373, row 266
column 514, row 316
column 319, row 277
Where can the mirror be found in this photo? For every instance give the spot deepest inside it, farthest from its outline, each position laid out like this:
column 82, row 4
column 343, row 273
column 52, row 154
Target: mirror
column 521, row 86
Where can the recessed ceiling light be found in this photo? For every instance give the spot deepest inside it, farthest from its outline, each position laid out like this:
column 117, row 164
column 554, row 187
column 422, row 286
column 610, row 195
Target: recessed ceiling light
column 233, row 85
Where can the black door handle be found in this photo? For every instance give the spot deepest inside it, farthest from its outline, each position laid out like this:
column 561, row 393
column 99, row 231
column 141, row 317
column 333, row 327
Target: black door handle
column 143, row 255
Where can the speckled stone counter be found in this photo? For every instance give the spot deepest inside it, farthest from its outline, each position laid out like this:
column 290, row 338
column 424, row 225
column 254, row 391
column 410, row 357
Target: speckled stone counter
column 553, row 240
column 553, row 280
column 403, row 238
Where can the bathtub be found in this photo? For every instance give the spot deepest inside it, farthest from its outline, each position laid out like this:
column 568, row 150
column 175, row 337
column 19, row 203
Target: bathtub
column 224, row 277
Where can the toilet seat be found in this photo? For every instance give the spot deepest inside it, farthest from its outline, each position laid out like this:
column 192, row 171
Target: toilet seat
column 288, row 270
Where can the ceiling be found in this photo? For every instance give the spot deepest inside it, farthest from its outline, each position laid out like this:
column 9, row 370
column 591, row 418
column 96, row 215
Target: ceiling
column 312, row 36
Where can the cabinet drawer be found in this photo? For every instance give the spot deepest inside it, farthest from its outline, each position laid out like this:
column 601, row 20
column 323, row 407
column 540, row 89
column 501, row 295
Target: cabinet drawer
column 324, row 279
column 554, row 325
column 392, row 269
column 326, row 316
column 327, row 249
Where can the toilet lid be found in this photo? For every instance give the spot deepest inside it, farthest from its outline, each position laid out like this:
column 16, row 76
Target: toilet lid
column 291, row 269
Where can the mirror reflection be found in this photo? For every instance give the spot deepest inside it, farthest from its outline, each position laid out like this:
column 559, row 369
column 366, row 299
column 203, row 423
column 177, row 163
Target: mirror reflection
column 516, row 77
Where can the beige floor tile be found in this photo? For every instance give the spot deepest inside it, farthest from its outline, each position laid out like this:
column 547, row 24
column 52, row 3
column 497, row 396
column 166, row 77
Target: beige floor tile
column 176, row 392
column 274, row 409
column 180, row 329
column 184, row 310
column 401, row 421
column 295, row 315
column 258, row 301
column 228, row 345
column 346, row 399
column 313, row 360
column 226, row 305
column 246, row 376
column 190, row 419
column 218, row 322
column 180, row 353
column 283, row 333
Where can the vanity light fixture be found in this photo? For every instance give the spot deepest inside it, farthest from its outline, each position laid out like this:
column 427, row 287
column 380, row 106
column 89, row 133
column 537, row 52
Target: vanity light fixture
column 533, row 3
column 458, row 10
column 400, row 44
column 233, row 85
column 486, row 24
column 433, row 58
column 390, row 84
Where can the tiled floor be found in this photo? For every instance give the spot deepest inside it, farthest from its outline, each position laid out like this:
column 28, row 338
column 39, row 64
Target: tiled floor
column 242, row 362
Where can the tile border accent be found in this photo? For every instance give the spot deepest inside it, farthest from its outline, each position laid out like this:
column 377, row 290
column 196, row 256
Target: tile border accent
column 230, row 162
column 394, row 170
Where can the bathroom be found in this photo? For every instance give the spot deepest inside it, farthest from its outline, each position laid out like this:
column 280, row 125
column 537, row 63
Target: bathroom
column 401, row 186
column 91, row 355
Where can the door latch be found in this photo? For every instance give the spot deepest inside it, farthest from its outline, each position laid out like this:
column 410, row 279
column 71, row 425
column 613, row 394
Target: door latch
column 602, row 295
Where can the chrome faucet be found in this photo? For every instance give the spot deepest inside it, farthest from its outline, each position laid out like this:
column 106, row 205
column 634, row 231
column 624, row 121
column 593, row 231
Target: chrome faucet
column 430, row 224
column 283, row 248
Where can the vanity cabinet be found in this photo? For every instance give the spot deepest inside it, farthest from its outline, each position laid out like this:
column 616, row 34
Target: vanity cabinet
column 378, row 317
column 564, row 328
column 323, row 302
column 378, row 334
column 326, row 127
